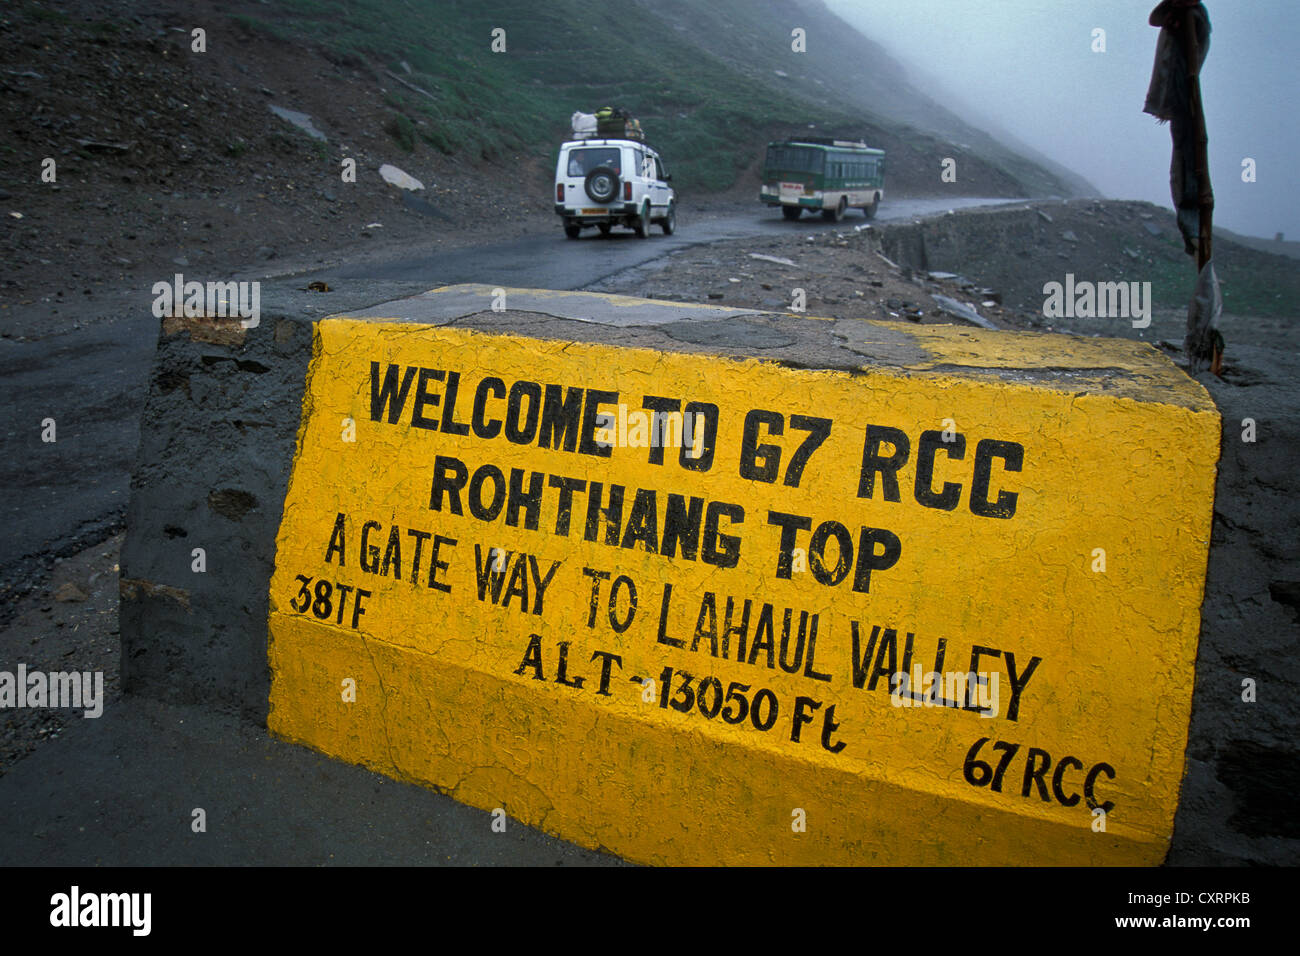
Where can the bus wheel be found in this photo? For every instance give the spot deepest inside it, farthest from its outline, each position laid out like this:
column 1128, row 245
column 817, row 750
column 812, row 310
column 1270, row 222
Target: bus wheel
column 836, row 214
column 791, row 212
column 870, row 211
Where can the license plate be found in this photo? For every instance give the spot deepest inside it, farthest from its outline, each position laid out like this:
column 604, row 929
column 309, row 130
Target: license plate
column 595, row 212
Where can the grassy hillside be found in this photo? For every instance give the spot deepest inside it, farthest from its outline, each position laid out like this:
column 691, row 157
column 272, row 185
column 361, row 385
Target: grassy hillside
column 701, row 74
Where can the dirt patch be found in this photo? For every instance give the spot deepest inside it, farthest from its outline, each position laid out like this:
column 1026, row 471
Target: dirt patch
column 167, row 160
column 68, row 624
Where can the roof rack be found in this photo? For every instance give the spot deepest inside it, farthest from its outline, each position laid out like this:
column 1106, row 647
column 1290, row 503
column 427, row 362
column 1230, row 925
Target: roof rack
column 827, row 141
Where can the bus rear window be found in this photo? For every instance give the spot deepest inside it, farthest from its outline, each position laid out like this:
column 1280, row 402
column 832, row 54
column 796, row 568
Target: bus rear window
column 795, row 159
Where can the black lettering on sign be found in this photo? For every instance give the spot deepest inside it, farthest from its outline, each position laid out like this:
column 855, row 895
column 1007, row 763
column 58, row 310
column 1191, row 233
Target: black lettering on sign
column 1058, row 776
column 699, row 446
column 763, row 462
column 435, row 565
column 760, row 462
column 1018, row 682
column 323, row 598
column 790, row 526
column 613, row 512
column 369, row 551
column 425, row 397
column 622, row 582
column 1034, row 770
column 477, row 507
column 564, row 506
column 803, row 714
column 421, row 537
column 494, row 568
column 662, row 636
column 950, row 496
column 591, row 422
column 709, row 612
column 643, row 523
column 530, row 501
column 560, row 418
column 449, row 477
column 870, row 560
column 337, row 542
column 607, row 660
column 682, row 526
column 391, row 562
column 449, row 424
column 818, row 429
column 389, row 395
column 490, row 571
column 532, row 655
column 659, row 408
column 978, row 773
column 562, row 669
column 1013, row 457
column 817, row 553
column 1091, row 780
column 521, row 431
column 764, row 638
column 393, row 554
column 887, row 466
column 484, row 427
column 596, row 578
column 721, row 550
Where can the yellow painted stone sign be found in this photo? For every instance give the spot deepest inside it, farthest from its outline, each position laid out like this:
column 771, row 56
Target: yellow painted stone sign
column 701, row 610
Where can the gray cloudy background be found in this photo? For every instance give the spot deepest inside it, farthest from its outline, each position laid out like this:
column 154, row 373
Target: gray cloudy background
column 1027, row 67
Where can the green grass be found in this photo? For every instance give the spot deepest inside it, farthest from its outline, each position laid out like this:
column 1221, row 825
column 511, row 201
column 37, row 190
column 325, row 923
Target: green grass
column 402, row 130
column 707, row 117
column 1252, row 282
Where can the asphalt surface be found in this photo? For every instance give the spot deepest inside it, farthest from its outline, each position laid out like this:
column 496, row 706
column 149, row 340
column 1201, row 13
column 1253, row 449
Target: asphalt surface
column 123, row 790
column 550, row 261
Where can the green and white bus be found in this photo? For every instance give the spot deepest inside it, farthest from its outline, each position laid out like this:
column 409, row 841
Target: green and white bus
column 830, row 175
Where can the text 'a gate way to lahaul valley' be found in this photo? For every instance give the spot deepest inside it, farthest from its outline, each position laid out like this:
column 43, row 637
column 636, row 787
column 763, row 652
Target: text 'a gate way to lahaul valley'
column 606, row 588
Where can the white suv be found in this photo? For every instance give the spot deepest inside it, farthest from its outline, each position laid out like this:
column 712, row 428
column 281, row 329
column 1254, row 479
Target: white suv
column 609, row 182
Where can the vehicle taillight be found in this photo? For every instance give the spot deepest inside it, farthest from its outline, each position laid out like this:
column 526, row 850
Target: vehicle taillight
column 627, row 191
column 559, row 192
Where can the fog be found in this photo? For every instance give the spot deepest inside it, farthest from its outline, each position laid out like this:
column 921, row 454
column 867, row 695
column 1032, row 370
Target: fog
column 1028, row 67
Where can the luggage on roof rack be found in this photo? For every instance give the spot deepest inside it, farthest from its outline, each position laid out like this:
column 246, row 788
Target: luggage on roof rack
column 612, row 122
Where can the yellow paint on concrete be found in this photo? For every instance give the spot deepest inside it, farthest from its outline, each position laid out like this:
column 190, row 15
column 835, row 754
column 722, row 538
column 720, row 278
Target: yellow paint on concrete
column 447, row 689
column 608, row 298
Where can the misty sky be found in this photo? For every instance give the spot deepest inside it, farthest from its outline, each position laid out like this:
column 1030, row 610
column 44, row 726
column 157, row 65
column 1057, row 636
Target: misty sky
column 1028, row 66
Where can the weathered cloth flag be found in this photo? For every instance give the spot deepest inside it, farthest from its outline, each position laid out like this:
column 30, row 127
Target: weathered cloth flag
column 1169, row 99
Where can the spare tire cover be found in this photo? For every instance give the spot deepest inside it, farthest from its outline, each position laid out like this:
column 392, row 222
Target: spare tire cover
column 602, row 184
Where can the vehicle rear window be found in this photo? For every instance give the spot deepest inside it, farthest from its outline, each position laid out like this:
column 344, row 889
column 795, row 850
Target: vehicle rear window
column 583, row 161
column 795, row 159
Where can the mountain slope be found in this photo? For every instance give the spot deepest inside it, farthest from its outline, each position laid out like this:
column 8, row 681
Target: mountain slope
column 169, row 156
column 712, row 80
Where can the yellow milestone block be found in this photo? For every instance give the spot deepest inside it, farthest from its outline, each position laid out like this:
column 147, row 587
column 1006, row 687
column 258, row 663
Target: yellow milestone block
column 700, row 610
